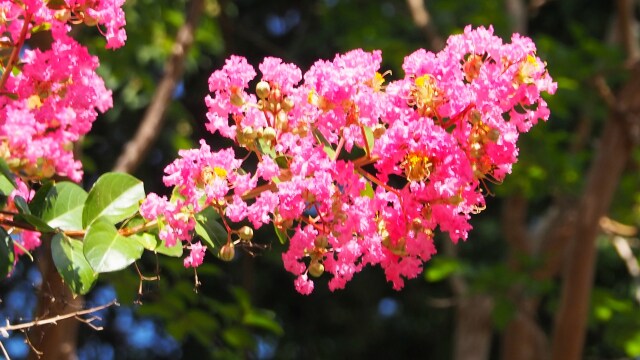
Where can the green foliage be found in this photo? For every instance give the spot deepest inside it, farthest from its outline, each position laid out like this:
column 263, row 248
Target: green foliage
column 7, row 255
column 114, row 196
column 209, row 229
column 441, row 268
column 106, row 250
column 60, row 205
column 68, row 257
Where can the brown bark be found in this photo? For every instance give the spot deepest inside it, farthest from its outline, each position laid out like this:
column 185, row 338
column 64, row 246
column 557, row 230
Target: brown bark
column 137, row 148
column 474, row 327
column 619, row 137
column 422, row 20
column 55, row 341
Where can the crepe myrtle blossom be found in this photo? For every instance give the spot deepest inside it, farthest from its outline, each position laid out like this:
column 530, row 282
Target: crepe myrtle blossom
column 51, row 97
column 353, row 170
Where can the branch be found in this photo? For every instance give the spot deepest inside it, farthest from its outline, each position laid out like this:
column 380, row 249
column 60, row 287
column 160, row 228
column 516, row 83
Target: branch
column 16, row 50
column 4, row 330
column 422, row 19
column 517, row 12
column 618, row 140
column 624, row 251
column 138, row 147
column 626, row 33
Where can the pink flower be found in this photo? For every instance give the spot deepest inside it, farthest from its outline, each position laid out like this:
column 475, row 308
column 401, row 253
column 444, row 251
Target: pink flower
column 428, row 142
column 196, row 255
column 303, row 285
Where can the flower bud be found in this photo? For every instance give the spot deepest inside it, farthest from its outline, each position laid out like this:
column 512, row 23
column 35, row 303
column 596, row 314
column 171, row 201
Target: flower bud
column 90, row 21
column 494, row 135
column 236, row 99
column 316, row 269
column 263, row 89
column 287, row 104
column 227, row 252
column 245, row 233
column 269, row 134
column 248, row 133
column 378, row 131
column 282, row 121
column 321, row 241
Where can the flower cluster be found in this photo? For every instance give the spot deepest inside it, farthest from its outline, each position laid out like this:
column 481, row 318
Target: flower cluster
column 353, row 171
column 51, row 97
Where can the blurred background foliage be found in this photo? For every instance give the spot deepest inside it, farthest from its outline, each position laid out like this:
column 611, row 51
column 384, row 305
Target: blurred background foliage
column 248, row 308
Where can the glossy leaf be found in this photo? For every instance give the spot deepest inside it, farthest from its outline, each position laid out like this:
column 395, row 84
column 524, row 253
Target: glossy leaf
column 174, row 251
column 7, row 255
column 323, row 140
column 68, row 257
column 6, row 172
column 106, row 250
column 61, row 205
column 114, row 196
column 210, row 230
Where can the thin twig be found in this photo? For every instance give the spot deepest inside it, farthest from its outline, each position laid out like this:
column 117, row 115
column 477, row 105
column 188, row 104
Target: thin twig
column 55, row 319
column 624, row 251
column 4, row 351
column 13, row 58
column 138, row 147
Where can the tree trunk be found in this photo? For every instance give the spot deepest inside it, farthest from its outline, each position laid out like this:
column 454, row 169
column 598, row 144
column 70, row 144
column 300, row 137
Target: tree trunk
column 474, row 327
column 619, row 137
column 54, row 341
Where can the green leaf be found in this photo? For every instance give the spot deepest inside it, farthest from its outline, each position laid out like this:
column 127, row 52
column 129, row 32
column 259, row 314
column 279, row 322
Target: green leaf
column 8, row 175
column 367, row 191
column 265, row 147
column 24, row 214
column 369, row 138
column 115, row 196
column 147, row 240
column 263, row 320
column 210, row 230
column 281, row 235
column 174, row 251
column 441, row 268
column 106, row 250
column 68, row 257
column 5, row 186
column 323, row 140
column 38, row 223
column 7, row 256
column 60, row 205
column 21, row 204
column 237, row 337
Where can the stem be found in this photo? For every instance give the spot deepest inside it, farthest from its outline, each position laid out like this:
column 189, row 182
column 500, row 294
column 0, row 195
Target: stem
column 377, row 181
column 13, row 58
column 366, row 143
column 339, row 149
column 364, row 161
column 55, row 319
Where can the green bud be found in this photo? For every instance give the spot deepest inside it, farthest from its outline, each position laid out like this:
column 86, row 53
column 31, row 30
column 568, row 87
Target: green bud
column 287, row 104
column 245, row 233
column 263, row 89
column 236, row 99
column 316, row 269
column 494, row 135
column 227, row 252
column 269, row 134
column 321, row 242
